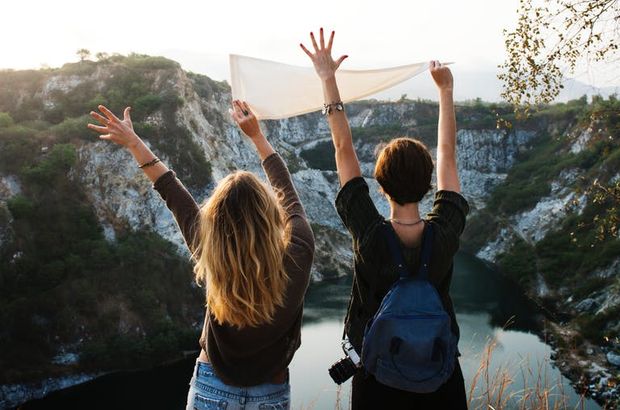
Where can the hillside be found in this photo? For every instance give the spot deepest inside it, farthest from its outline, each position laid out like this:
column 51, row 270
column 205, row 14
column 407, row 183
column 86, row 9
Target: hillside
column 94, row 275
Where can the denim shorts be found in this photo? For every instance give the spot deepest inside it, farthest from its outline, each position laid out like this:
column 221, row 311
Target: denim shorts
column 208, row 392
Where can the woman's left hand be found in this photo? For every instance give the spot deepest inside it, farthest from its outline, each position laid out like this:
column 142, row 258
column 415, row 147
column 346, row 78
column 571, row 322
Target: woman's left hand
column 113, row 128
column 322, row 60
column 245, row 119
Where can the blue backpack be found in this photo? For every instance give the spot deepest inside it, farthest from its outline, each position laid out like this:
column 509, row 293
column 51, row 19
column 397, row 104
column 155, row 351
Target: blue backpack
column 409, row 343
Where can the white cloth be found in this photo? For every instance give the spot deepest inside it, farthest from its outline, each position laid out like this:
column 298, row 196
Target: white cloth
column 276, row 90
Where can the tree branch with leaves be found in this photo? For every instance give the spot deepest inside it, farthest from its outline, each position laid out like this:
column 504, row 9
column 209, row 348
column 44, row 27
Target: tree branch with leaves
column 551, row 39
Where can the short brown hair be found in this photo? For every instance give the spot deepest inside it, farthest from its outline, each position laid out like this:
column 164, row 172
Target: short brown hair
column 404, row 169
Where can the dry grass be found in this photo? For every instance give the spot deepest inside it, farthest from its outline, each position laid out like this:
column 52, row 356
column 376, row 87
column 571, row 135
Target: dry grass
column 491, row 390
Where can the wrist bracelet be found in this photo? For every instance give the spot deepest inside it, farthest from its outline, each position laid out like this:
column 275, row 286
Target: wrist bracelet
column 150, row 163
column 327, row 108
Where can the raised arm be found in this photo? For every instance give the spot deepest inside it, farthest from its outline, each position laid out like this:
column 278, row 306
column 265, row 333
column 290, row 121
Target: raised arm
column 274, row 166
column 447, row 172
column 178, row 199
column 347, row 165
column 121, row 132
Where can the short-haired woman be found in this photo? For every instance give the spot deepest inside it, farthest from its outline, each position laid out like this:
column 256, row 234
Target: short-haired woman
column 403, row 170
column 253, row 250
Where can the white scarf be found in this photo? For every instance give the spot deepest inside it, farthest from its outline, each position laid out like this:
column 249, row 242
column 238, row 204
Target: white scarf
column 275, row 90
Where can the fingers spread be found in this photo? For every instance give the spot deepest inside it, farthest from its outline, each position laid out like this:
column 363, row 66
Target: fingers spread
column 108, row 113
column 101, row 119
column 340, row 60
column 316, row 47
column 126, row 114
column 97, row 128
column 331, row 41
column 306, row 50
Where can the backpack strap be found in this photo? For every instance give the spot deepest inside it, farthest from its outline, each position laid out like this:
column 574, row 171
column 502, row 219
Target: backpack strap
column 397, row 253
column 395, row 250
column 427, row 250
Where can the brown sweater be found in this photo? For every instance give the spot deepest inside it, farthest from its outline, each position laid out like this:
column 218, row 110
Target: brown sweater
column 253, row 355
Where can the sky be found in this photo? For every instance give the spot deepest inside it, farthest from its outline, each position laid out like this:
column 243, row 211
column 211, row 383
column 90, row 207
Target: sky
column 201, row 34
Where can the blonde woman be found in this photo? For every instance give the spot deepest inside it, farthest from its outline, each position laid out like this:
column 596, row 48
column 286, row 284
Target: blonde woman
column 253, row 250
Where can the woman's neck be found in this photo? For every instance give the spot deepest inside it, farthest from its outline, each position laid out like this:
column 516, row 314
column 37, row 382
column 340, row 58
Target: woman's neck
column 404, row 213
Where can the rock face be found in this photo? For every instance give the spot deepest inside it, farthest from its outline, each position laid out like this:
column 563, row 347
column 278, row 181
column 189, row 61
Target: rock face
column 123, row 198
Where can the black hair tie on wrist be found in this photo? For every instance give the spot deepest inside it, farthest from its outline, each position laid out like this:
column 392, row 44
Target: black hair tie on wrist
column 150, row 163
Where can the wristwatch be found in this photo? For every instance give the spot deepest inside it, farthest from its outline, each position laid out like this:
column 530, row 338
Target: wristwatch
column 327, row 108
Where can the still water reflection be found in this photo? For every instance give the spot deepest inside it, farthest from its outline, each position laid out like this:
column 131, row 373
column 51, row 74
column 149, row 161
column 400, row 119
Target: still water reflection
column 484, row 303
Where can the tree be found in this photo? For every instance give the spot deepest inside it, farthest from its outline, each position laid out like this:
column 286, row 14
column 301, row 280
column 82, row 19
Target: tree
column 83, row 53
column 551, row 38
column 102, row 56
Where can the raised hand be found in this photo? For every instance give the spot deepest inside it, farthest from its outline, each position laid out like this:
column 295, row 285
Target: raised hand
column 245, row 119
column 114, row 129
column 441, row 75
column 322, row 60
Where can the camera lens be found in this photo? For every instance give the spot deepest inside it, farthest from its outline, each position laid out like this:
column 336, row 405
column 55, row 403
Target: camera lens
column 342, row 370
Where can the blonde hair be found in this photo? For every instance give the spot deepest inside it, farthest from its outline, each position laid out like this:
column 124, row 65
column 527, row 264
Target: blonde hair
column 240, row 252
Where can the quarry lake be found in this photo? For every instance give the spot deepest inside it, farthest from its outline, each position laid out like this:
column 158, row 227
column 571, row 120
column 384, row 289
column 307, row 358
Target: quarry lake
column 489, row 308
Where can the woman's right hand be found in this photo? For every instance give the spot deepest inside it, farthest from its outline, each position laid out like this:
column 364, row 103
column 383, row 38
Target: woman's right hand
column 441, row 75
column 322, row 60
column 246, row 120
column 114, row 129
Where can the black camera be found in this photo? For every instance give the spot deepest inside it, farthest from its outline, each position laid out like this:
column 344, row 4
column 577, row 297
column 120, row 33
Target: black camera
column 345, row 368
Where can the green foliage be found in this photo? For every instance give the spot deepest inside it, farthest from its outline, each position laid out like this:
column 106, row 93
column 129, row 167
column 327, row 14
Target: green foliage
column 20, row 207
column 57, row 163
column 146, row 104
column 480, row 115
column 519, row 263
column 21, row 86
column 322, row 156
column 5, row 120
column 176, row 141
column 549, row 37
column 18, row 146
column 61, row 277
column 146, row 62
column 594, row 327
column 207, row 88
column 130, row 350
column 528, row 180
column 480, row 227
column 82, row 68
column 83, row 53
column 73, row 128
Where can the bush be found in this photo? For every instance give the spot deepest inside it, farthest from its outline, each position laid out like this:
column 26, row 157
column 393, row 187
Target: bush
column 146, row 104
column 5, row 120
column 58, row 162
column 519, row 262
column 322, row 156
column 73, row 128
column 146, row 62
column 20, row 207
column 18, row 147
